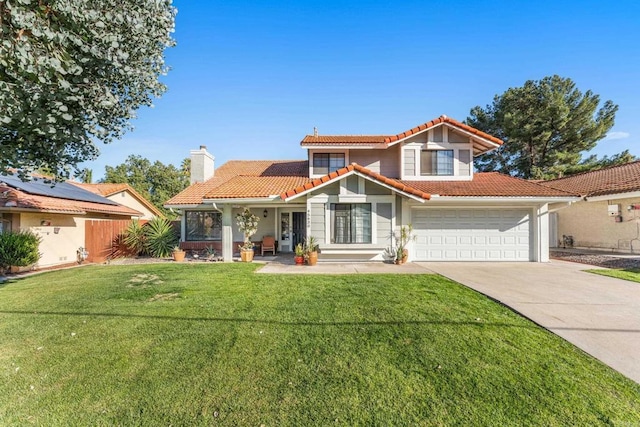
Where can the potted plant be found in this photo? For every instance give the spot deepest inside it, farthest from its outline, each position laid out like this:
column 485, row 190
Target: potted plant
column 402, row 240
column 299, row 251
column 248, row 225
column 178, row 254
column 311, row 250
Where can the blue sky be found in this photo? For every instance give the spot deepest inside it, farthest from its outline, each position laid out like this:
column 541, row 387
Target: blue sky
column 250, row 78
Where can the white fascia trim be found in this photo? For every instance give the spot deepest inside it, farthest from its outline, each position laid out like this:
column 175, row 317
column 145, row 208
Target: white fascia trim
column 324, row 184
column 190, row 206
column 616, row 196
column 354, row 172
column 437, row 199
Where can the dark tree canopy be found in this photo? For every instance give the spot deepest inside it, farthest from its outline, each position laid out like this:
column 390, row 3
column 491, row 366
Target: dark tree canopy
column 157, row 182
column 546, row 125
column 72, row 73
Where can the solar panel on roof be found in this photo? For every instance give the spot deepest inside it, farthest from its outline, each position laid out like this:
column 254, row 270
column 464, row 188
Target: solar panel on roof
column 61, row 190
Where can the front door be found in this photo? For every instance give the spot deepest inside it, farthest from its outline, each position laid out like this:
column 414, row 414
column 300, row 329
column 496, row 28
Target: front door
column 299, row 227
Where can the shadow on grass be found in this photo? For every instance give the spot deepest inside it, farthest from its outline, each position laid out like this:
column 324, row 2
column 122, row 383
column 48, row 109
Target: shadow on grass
column 306, row 323
column 270, row 322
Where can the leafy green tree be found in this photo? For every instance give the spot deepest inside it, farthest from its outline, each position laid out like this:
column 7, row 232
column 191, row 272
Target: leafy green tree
column 545, row 125
column 73, row 72
column 86, row 175
column 156, row 181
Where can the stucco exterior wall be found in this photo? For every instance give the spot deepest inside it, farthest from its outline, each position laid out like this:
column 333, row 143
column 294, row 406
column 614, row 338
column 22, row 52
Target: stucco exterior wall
column 266, row 226
column 126, row 199
column 592, row 227
column 56, row 247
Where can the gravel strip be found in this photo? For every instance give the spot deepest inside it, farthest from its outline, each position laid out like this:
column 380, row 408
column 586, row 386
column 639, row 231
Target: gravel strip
column 606, row 261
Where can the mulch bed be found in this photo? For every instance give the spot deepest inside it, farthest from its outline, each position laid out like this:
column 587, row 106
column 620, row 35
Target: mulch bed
column 606, row 261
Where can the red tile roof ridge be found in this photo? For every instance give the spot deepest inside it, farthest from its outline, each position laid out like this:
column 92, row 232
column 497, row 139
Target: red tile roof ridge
column 387, row 139
column 443, row 119
column 358, row 168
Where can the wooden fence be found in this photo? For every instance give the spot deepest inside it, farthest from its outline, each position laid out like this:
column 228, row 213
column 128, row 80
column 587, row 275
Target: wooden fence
column 99, row 237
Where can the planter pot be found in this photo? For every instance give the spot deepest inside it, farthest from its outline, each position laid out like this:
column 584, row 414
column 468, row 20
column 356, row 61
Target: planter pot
column 313, row 258
column 246, row 255
column 178, row 256
column 299, row 260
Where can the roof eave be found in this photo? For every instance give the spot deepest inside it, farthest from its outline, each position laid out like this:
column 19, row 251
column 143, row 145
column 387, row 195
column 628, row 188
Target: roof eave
column 612, row 196
column 35, row 210
column 334, row 146
column 436, row 198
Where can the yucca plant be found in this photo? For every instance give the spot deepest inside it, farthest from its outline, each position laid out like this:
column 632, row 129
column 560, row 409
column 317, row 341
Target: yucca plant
column 161, row 237
column 134, row 238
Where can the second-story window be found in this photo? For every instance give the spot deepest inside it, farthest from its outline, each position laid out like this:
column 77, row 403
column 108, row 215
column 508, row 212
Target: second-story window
column 324, row 163
column 436, row 162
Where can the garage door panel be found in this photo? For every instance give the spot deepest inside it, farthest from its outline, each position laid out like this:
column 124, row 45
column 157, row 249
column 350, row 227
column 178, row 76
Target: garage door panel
column 472, row 234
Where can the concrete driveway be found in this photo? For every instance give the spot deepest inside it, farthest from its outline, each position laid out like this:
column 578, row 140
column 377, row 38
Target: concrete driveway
column 598, row 314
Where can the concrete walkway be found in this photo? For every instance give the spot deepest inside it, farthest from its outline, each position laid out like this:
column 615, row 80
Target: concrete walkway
column 600, row 315
column 284, row 266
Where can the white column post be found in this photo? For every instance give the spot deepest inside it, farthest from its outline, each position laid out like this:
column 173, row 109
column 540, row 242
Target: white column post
column 227, row 233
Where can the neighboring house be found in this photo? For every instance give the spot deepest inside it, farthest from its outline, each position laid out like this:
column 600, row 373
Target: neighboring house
column 124, row 195
column 608, row 214
column 353, row 192
column 61, row 216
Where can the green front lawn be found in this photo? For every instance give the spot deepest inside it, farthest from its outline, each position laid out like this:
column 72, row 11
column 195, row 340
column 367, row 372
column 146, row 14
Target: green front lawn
column 217, row 344
column 631, row 274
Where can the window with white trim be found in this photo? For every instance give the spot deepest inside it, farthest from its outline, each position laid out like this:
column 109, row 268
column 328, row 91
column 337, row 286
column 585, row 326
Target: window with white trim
column 325, row 163
column 203, row 225
column 351, row 223
column 436, row 162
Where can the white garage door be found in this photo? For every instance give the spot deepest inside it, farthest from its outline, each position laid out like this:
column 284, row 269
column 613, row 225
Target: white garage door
column 472, row 234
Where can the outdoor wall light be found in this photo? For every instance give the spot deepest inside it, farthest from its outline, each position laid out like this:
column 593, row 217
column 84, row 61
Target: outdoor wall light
column 265, row 213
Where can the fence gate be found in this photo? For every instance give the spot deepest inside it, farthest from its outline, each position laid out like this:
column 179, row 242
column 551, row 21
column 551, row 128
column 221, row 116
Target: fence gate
column 99, row 236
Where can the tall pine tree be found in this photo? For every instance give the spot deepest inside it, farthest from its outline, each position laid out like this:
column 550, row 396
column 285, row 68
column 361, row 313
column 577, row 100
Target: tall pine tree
column 546, row 125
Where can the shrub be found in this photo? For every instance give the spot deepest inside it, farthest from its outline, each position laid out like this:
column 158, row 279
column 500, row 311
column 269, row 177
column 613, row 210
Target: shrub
column 160, row 237
column 134, row 238
column 19, row 248
column 156, row 238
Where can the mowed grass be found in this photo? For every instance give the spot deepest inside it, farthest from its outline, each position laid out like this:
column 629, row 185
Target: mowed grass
column 631, row 274
column 217, row 344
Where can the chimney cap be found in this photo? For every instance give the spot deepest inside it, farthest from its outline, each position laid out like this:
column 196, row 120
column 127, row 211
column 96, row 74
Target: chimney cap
column 315, row 131
column 203, row 147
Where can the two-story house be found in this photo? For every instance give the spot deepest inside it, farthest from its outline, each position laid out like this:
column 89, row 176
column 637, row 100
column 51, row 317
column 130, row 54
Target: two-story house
column 353, row 192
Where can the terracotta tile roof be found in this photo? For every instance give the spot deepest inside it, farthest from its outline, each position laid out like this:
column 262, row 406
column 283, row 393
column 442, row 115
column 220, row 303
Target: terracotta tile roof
column 443, row 119
column 255, row 186
column 108, row 189
column 31, row 202
column 612, row 180
column 488, row 184
column 386, row 140
column 398, row 185
column 245, row 178
column 343, row 139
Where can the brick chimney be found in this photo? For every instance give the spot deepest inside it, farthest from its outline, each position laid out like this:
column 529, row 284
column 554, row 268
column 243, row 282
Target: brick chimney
column 202, row 165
